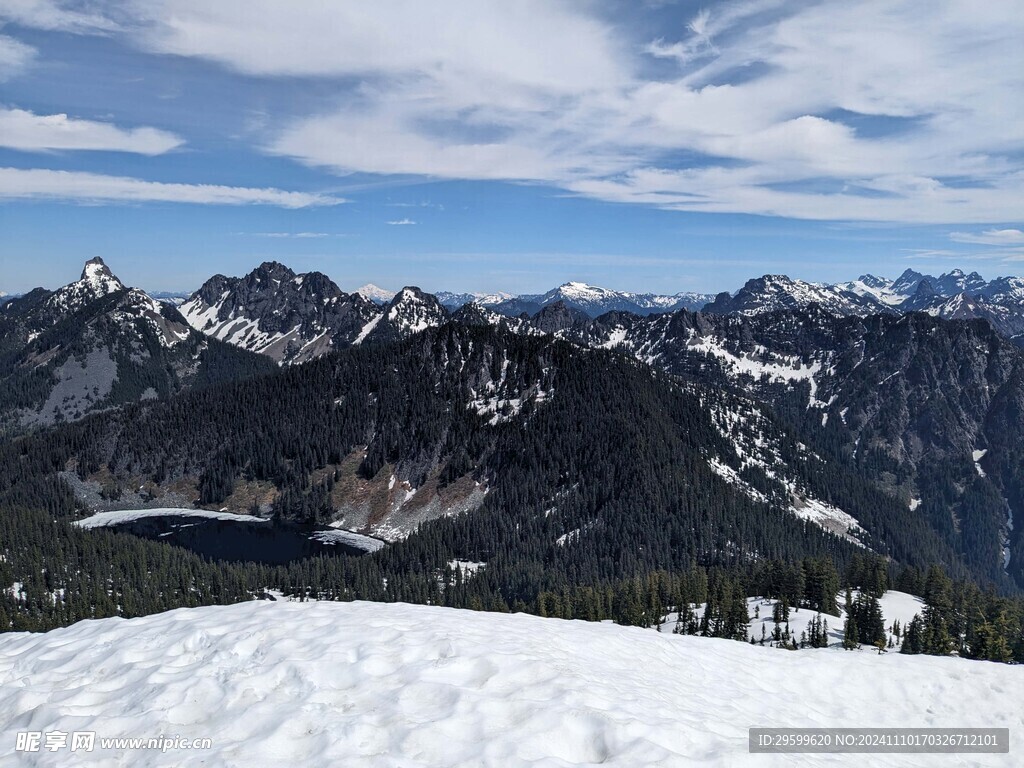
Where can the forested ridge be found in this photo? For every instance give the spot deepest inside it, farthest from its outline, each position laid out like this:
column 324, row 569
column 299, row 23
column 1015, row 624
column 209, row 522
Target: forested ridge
column 596, row 469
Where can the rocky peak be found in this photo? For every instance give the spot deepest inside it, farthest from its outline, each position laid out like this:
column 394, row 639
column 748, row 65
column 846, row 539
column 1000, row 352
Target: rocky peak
column 96, row 281
column 907, row 283
column 97, row 273
column 560, row 317
column 412, row 310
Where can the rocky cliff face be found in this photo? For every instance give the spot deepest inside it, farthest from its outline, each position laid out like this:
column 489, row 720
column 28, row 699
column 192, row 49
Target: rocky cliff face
column 290, row 318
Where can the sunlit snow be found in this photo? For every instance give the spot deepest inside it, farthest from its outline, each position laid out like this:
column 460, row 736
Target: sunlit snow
column 365, row 684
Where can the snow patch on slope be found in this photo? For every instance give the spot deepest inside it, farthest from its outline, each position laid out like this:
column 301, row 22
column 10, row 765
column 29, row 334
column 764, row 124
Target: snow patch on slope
column 976, row 457
column 784, row 370
column 825, row 516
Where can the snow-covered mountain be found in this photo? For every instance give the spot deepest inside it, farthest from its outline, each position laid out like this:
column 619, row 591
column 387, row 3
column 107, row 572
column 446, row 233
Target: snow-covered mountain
column 41, row 310
column 653, row 302
column 410, row 311
column 959, row 282
column 1005, row 314
column 947, row 285
column 879, row 288
column 294, row 318
column 376, row 294
column 595, row 301
column 357, row 683
column 95, row 343
column 956, row 295
column 771, row 293
column 952, row 295
column 454, row 301
column 1004, row 289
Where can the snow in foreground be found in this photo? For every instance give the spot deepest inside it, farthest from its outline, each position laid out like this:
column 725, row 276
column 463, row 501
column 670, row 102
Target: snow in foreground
column 377, row 684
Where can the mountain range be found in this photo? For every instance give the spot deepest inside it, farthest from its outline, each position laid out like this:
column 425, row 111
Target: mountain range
column 951, row 295
column 830, row 404
column 293, row 318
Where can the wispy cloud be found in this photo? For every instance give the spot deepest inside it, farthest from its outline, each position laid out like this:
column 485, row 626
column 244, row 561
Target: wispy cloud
column 43, row 184
column 24, row 130
column 15, row 56
column 992, row 256
column 990, row 237
column 402, row 223
column 775, row 107
column 435, row 206
column 57, row 15
column 298, row 235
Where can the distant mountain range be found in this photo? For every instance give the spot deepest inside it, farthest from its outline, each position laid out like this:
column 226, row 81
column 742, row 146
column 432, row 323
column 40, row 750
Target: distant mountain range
column 589, row 299
column 129, row 345
column 952, row 295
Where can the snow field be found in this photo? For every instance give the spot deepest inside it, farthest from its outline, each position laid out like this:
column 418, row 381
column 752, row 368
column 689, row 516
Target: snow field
column 368, row 684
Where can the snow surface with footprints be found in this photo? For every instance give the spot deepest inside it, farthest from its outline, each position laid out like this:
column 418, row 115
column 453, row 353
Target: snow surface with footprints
column 368, row 684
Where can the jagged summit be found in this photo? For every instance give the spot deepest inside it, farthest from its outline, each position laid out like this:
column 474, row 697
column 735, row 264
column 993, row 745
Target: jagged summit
column 272, row 269
column 97, row 343
column 96, row 270
column 413, row 310
column 96, row 275
column 96, row 281
column 287, row 316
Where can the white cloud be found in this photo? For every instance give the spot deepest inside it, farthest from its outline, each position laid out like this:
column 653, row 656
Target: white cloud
column 55, row 15
column 402, row 223
column 946, row 83
column 42, row 184
column 990, row 237
column 536, row 42
column 15, row 56
column 881, row 110
column 20, row 129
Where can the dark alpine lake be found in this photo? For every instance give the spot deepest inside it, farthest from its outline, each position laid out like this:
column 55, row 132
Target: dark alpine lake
column 241, row 541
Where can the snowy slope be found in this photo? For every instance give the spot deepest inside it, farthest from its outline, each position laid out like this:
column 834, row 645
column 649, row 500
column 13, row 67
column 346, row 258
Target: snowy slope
column 896, row 606
column 365, row 684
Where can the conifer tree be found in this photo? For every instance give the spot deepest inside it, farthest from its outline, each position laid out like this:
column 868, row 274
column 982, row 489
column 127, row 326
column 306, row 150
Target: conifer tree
column 850, row 633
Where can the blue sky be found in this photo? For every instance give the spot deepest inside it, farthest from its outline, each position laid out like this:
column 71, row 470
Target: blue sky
column 485, row 145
